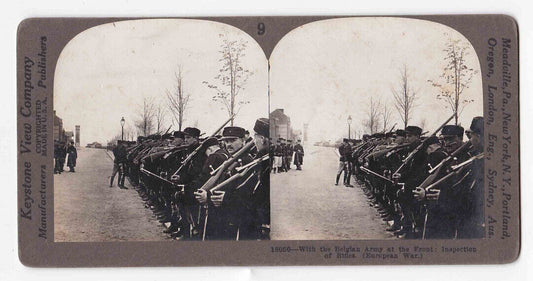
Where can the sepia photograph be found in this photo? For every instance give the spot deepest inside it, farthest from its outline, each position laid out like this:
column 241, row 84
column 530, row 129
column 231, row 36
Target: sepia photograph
column 268, row 140
column 377, row 132
column 161, row 133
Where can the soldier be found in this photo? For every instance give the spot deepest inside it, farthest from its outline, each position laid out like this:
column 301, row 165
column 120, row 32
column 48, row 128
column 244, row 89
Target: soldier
column 298, row 155
column 249, row 202
column 452, row 137
column 472, row 220
column 400, row 137
column 224, row 218
column 278, row 157
column 62, row 155
column 412, row 175
column 290, row 151
column 188, row 173
column 72, row 156
column 283, row 147
column 344, row 151
column 119, row 152
column 57, row 157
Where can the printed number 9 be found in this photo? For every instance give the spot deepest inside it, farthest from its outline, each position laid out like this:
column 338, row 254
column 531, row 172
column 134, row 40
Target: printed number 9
column 260, row 28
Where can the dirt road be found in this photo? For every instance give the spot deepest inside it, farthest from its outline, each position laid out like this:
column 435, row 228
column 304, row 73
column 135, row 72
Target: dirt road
column 87, row 209
column 307, row 205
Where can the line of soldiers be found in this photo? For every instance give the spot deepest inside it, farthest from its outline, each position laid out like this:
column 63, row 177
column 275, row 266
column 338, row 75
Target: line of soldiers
column 284, row 152
column 424, row 187
column 213, row 188
column 61, row 150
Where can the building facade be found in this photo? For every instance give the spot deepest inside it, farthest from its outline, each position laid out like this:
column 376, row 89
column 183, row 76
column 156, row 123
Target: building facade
column 280, row 126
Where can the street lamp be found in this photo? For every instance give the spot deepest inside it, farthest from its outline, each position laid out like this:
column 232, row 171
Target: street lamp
column 349, row 123
column 122, row 121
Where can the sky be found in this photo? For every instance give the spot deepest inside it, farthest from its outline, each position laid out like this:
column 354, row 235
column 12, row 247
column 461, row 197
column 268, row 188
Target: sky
column 105, row 72
column 325, row 71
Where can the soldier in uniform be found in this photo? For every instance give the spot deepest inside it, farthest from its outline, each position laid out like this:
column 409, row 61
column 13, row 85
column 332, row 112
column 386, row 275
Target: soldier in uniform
column 72, row 156
column 412, row 175
column 344, row 162
column 223, row 224
column 290, row 151
column 298, row 155
column 472, row 219
column 227, row 219
column 187, row 175
column 278, row 157
column 119, row 152
column 249, row 202
column 62, row 156
column 57, row 158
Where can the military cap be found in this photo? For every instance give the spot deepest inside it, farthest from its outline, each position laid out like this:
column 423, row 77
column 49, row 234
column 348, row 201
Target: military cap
column 290, row 140
column 477, row 125
column 379, row 135
column 156, row 137
column 413, row 130
column 299, row 140
column 166, row 136
column 389, row 135
column 210, row 142
column 232, row 132
column 140, row 138
column 344, row 140
column 193, row 132
column 432, row 140
column 400, row 133
column 452, row 130
column 179, row 134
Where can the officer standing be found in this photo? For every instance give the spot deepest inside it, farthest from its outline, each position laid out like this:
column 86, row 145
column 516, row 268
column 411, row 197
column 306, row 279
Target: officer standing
column 72, row 156
column 298, row 155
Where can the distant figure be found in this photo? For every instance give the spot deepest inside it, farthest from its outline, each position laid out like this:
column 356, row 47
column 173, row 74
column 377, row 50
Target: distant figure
column 62, row 155
column 72, row 156
column 118, row 165
column 298, row 155
column 57, row 157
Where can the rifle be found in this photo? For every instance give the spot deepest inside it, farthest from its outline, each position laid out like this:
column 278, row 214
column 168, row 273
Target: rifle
column 192, row 154
column 208, row 185
column 368, row 171
column 391, row 129
column 452, row 156
column 143, row 170
column 241, row 172
column 419, row 147
column 167, row 130
column 454, row 171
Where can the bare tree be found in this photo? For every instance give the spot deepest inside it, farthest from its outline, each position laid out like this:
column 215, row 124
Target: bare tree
column 177, row 99
column 373, row 116
column 404, row 97
column 456, row 77
column 145, row 121
column 386, row 115
column 232, row 76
